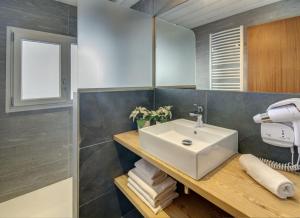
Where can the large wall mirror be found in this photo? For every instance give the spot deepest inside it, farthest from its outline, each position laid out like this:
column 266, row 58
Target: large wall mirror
column 175, row 55
column 253, row 45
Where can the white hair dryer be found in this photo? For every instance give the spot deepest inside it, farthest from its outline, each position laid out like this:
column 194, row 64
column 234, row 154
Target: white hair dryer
column 276, row 129
column 286, row 111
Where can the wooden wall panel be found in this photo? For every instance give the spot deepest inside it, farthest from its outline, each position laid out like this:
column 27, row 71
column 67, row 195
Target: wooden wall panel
column 274, row 56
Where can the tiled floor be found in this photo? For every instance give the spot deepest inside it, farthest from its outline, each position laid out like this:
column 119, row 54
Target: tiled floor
column 54, row 201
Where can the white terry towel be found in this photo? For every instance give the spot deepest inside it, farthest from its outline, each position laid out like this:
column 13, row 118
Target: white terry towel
column 154, row 209
column 267, row 177
column 166, row 196
column 151, row 181
column 148, row 169
column 153, row 191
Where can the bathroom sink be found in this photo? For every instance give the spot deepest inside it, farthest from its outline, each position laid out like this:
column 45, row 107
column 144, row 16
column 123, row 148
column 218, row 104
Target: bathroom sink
column 210, row 145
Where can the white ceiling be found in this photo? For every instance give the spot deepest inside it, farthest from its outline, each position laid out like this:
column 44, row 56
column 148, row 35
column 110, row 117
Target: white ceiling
column 194, row 13
column 124, row 3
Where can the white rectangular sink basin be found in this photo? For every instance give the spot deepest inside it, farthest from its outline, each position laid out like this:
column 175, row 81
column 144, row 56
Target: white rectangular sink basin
column 211, row 145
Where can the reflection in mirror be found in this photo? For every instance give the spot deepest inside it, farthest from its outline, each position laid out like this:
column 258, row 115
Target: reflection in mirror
column 274, row 56
column 226, row 60
column 175, row 55
column 262, row 55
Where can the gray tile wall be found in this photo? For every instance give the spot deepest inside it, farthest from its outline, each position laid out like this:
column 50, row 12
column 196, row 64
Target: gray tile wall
column 269, row 13
column 103, row 114
column 232, row 110
column 34, row 146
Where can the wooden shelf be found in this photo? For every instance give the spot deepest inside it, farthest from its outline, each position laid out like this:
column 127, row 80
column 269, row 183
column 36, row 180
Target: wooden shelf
column 185, row 206
column 227, row 187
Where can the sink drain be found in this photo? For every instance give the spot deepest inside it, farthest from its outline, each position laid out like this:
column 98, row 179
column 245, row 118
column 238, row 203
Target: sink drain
column 187, row 142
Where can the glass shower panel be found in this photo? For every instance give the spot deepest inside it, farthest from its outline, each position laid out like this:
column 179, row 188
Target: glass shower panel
column 175, row 55
column 74, row 69
column 114, row 46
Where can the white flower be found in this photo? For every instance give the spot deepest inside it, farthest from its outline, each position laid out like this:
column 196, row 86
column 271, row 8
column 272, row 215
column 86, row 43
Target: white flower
column 168, row 107
column 139, row 111
column 164, row 113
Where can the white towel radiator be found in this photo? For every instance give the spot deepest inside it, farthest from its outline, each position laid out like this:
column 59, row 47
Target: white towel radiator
column 226, row 59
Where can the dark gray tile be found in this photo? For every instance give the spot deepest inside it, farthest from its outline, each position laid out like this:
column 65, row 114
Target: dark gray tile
column 104, row 114
column 34, row 142
column 125, row 206
column 235, row 110
column 182, row 101
column 34, row 146
column 99, row 165
column 107, row 205
column 41, row 8
column 21, row 182
column 51, row 24
column 73, row 12
column 73, row 27
column 42, row 129
column 126, row 157
column 54, row 152
column 133, row 214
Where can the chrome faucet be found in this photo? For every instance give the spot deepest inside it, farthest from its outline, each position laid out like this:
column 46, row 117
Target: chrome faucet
column 198, row 113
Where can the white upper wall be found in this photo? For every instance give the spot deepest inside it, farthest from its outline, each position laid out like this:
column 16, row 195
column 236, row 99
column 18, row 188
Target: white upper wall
column 175, row 55
column 114, row 46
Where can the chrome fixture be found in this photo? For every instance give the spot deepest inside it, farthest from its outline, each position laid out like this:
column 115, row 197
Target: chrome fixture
column 198, row 113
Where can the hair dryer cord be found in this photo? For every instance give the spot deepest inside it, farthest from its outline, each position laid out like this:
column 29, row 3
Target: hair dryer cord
column 282, row 166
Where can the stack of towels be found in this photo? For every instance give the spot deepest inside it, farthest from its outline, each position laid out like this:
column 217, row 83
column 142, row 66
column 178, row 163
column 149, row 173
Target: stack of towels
column 155, row 188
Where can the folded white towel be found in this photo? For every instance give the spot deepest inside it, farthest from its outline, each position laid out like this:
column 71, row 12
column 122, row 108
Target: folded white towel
column 267, row 177
column 153, row 191
column 148, row 169
column 165, row 196
column 151, row 181
column 154, row 209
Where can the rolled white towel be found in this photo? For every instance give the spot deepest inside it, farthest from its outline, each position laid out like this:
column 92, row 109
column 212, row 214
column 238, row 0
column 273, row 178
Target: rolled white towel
column 151, row 181
column 148, row 169
column 154, row 209
column 165, row 196
column 153, row 191
column 267, row 177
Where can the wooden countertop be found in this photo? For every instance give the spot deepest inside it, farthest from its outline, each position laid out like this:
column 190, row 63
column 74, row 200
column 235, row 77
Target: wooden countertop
column 228, row 186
